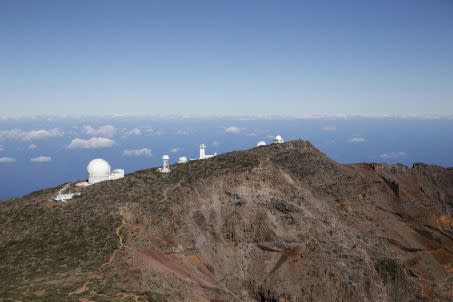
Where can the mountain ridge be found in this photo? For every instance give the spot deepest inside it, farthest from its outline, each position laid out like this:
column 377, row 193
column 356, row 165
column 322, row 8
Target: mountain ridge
column 281, row 222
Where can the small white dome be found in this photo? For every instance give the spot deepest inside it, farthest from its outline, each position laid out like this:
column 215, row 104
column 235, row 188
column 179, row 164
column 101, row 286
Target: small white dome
column 165, row 157
column 182, row 160
column 278, row 139
column 261, row 143
column 99, row 168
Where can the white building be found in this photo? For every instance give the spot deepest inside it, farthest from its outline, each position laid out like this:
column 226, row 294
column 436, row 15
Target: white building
column 203, row 154
column 100, row 170
column 117, row 174
column 261, row 143
column 165, row 165
column 182, row 160
column 65, row 197
column 278, row 140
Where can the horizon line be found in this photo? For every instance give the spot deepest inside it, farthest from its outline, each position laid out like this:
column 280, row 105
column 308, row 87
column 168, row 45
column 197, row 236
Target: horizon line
column 240, row 117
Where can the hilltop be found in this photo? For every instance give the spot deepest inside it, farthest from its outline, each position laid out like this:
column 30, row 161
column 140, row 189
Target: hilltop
column 281, row 222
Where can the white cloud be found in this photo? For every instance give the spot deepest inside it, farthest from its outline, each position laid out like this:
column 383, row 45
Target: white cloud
column 41, row 159
column 357, row 139
column 233, row 130
column 32, row 147
column 134, row 132
column 176, row 150
column 7, row 160
column 19, row 134
column 329, row 128
column 183, row 132
column 153, row 132
column 104, row 131
column 92, row 143
column 138, row 152
column 392, row 155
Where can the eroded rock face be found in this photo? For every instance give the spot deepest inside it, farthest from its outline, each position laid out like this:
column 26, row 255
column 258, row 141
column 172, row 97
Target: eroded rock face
column 275, row 223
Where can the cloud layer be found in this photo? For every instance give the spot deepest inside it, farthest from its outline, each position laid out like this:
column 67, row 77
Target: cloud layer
column 19, row 134
column 92, row 143
column 134, row 132
column 233, row 130
column 357, row 139
column 103, row 131
column 329, row 128
column 7, row 160
column 176, row 150
column 138, row 152
column 41, row 159
column 392, row 155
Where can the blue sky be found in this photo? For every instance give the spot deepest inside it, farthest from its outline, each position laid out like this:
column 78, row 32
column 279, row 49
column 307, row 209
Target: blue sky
column 226, row 57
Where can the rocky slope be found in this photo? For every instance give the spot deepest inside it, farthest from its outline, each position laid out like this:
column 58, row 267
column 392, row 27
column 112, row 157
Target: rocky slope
column 274, row 223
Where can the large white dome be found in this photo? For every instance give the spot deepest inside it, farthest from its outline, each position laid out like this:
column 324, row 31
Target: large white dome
column 99, row 168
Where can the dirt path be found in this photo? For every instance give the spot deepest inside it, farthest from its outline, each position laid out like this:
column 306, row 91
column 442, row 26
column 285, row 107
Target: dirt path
column 165, row 192
column 84, row 287
column 120, row 242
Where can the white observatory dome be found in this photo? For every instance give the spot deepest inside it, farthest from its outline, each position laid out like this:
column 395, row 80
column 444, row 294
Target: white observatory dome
column 98, row 170
column 182, row 160
column 278, row 140
column 165, row 157
column 261, row 143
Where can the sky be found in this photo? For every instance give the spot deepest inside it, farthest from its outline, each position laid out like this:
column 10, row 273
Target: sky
column 205, row 58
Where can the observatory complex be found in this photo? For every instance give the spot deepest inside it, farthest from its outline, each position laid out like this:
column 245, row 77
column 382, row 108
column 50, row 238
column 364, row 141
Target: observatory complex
column 276, row 140
column 100, row 170
column 182, row 160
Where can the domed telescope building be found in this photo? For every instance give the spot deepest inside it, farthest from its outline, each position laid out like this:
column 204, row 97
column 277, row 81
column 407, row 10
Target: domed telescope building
column 278, row 140
column 100, row 170
column 182, row 160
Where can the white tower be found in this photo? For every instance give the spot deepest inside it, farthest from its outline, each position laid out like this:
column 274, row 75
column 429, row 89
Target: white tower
column 278, row 140
column 165, row 166
column 202, row 151
column 203, row 154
